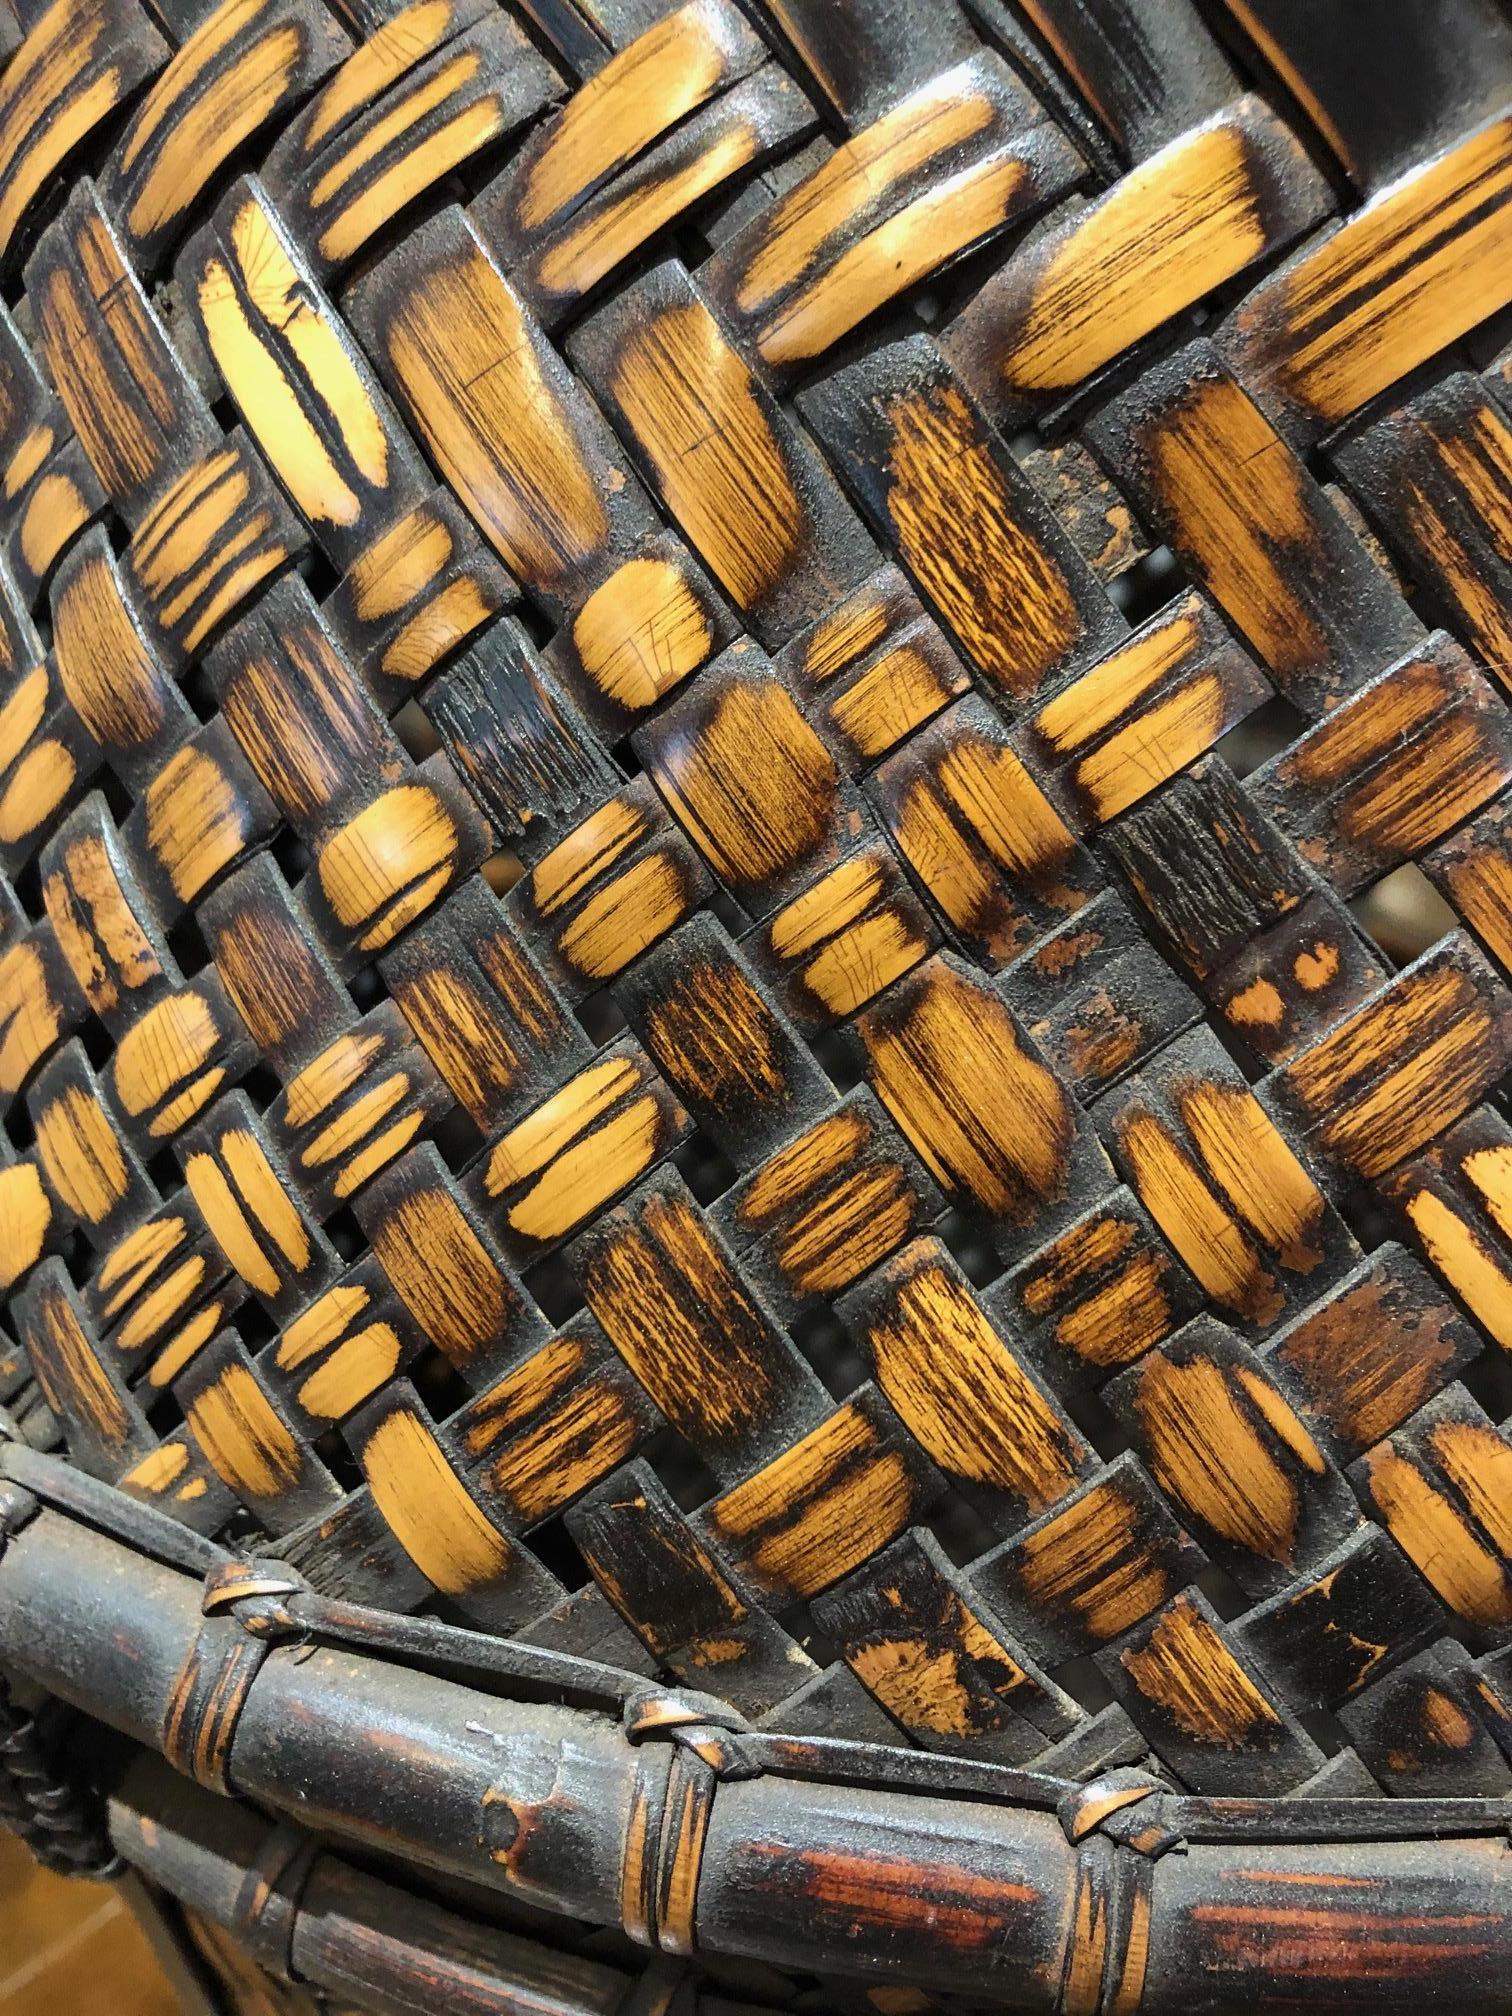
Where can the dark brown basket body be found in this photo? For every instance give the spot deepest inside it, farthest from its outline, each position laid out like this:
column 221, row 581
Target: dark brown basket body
column 756, row 823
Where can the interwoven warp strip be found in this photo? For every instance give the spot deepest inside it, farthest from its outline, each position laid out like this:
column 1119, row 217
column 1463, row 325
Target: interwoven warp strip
column 651, row 997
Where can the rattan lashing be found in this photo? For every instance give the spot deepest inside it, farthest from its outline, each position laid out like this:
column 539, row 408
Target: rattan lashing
column 717, row 1173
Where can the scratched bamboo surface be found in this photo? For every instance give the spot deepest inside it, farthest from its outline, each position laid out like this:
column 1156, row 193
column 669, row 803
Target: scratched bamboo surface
column 704, row 711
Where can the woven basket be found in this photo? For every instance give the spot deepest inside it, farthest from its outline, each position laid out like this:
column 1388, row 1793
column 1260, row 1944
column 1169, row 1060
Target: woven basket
column 755, row 937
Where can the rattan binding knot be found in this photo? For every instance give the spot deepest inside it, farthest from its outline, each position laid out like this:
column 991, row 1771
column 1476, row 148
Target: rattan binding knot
column 244, row 1615
column 254, row 1592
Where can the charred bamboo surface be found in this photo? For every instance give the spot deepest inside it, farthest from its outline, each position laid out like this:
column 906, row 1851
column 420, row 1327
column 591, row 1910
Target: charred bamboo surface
column 756, row 973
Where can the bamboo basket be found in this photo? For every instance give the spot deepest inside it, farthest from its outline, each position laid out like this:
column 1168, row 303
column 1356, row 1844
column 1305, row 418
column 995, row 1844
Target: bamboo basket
column 755, row 935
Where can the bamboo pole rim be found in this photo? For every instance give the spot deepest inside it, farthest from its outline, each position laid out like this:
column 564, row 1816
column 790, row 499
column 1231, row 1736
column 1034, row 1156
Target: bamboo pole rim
column 647, row 1708
column 677, row 1755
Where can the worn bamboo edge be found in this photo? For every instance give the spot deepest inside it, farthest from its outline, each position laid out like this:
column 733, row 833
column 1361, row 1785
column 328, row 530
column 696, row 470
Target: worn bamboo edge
column 592, row 1794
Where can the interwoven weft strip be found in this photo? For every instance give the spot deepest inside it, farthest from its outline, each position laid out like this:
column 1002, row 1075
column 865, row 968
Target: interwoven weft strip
column 708, row 718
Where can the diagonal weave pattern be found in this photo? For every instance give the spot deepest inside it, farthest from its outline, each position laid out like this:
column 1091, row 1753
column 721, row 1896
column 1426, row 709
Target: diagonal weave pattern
column 652, row 993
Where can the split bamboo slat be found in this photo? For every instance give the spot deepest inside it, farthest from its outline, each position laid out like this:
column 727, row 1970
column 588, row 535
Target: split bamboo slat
column 756, row 997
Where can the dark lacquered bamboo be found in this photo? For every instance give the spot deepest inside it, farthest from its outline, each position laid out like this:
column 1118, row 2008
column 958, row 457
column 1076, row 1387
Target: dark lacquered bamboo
column 811, row 1854
column 349, row 1933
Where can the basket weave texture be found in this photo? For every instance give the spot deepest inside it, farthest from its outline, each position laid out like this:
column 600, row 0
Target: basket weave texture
column 723, row 731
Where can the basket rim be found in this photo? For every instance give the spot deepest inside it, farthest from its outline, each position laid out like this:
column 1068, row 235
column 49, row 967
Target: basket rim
column 136, row 1572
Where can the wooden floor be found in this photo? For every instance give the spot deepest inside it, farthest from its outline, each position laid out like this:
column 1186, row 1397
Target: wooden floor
column 71, row 1948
